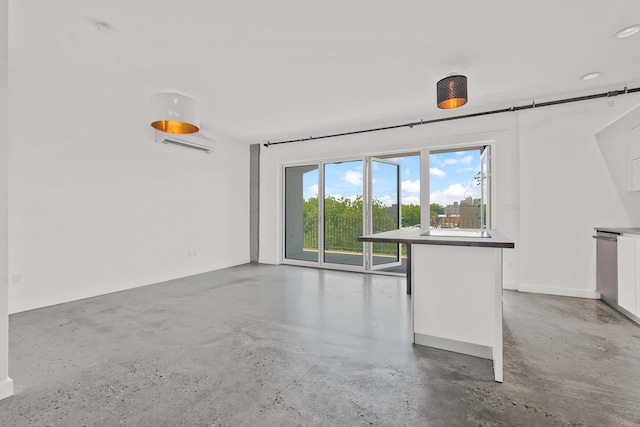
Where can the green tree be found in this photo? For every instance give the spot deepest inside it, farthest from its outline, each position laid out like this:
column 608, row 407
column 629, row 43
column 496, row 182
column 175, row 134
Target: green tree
column 410, row 215
column 310, row 207
column 343, row 222
column 438, row 209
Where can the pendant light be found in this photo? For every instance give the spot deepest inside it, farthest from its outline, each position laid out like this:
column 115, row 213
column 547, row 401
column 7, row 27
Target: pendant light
column 174, row 113
column 452, row 91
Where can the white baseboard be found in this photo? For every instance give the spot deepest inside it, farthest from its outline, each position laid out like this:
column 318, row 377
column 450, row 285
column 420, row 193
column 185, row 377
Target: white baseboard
column 17, row 305
column 471, row 349
column 6, row 388
column 75, row 295
column 512, row 286
column 565, row 292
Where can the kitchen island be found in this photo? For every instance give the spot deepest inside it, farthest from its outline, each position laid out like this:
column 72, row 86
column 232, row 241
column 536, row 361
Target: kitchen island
column 618, row 269
column 456, row 286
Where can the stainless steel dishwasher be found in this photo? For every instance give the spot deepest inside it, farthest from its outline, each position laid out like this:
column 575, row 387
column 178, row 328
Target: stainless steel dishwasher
column 607, row 266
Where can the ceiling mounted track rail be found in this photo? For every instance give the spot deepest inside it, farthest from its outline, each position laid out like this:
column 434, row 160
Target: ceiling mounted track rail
column 465, row 116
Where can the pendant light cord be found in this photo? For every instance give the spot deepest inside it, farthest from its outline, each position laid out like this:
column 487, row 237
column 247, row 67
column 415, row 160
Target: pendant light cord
column 465, row 116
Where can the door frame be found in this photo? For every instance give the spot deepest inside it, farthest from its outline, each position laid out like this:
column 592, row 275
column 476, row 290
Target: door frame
column 368, row 224
column 485, row 184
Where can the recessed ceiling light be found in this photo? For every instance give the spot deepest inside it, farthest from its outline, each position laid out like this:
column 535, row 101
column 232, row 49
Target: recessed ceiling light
column 627, row 32
column 591, row 75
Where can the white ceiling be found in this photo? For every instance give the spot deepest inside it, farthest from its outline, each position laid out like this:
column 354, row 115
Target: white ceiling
column 282, row 69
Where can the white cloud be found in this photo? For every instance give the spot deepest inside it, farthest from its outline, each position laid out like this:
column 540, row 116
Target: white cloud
column 313, row 190
column 437, row 172
column 411, row 186
column 454, row 193
column 449, row 162
column 466, row 160
column 353, row 177
column 411, row 200
column 386, row 200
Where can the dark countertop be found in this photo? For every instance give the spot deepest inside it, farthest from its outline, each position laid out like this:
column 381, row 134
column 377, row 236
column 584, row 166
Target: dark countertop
column 413, row 236
column 619, row 230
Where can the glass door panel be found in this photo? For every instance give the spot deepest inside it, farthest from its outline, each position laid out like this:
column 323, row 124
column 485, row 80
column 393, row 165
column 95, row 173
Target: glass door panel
column 385, row 210
column 301, row 213
column 343, row 214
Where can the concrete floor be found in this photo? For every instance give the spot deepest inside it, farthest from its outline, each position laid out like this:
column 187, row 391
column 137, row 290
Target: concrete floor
column 291, row 346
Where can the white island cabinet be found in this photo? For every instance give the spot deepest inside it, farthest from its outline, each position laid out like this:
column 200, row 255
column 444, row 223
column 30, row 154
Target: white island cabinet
column 457, row 300
column 629, row 273
column 456, row 282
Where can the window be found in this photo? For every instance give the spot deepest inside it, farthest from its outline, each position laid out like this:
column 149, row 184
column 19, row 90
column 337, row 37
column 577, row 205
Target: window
column 460, row 188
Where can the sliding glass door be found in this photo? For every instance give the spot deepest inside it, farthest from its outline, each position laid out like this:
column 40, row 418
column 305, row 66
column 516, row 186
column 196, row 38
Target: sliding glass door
column 327, row 206
column 385, row 211
column 301, row 213
column 343, row 213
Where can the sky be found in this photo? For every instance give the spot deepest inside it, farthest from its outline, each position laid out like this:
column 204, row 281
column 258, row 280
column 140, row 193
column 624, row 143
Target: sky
column 451, row 175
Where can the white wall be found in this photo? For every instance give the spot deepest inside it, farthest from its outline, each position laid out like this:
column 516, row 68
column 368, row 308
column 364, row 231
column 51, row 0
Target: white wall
column 96, row 206
column 501, row 130
column 567, row 190
column 554, row 183
column 6, row 386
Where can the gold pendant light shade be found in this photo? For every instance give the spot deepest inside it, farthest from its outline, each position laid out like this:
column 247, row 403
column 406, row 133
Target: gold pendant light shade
column 452, row 91
column 174, row 113
column 172, row 126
